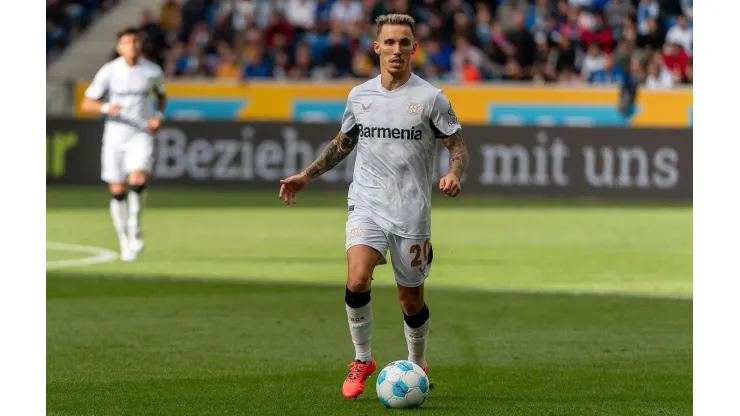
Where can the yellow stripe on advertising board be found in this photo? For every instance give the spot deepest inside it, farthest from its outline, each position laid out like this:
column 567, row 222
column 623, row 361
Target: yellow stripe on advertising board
column 275, row 101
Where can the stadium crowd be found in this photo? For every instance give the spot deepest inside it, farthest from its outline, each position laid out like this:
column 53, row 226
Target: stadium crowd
column 546, row 41
column 65, row 19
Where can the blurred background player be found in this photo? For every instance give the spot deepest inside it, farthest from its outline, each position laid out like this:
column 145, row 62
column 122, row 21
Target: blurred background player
column 394, row 119
column 127, row 153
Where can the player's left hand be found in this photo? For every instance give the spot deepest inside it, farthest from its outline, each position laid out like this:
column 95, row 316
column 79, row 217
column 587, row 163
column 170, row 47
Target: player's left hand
column 450, row 185
column 154, row 124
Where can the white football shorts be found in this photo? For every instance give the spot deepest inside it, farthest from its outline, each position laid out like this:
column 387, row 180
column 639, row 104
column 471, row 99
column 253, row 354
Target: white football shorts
column 125, row 150
column 411, row 258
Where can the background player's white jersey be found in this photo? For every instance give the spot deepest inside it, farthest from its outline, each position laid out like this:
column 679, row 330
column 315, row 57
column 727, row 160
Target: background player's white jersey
column 130, row 87
column 395, row 154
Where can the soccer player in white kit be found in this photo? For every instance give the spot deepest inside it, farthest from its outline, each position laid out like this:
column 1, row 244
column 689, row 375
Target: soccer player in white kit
column 128, row 142
column 394, row 121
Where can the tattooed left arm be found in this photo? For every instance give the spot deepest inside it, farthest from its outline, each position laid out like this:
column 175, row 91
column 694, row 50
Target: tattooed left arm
column 450, row 184
column 458, row 154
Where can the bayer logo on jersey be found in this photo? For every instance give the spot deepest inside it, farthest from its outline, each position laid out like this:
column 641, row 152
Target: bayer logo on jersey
column 402, row 385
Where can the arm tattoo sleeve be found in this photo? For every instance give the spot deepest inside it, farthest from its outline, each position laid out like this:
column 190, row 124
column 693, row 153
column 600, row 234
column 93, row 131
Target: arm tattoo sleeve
column 458, row 154
column 335, row 152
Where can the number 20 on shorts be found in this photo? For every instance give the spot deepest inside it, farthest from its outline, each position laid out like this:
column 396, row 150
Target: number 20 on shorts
column 417, row 250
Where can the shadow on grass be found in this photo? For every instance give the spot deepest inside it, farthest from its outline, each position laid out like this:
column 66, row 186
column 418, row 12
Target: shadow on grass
column 62, row 283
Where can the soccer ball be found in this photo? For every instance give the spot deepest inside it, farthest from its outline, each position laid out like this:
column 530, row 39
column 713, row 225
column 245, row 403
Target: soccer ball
column 402, row 385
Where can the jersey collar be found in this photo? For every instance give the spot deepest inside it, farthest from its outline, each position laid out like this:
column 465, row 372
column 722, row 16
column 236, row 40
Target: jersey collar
column 382, row 89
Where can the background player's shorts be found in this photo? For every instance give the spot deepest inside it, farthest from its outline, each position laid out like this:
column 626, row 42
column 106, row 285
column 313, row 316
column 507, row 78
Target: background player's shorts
column 411, row 258
column 125, row 151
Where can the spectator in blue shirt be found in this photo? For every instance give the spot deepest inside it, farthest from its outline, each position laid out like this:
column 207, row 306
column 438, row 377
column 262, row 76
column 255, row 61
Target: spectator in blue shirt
column 439, row 53
column 610, row 74
column 257, row 65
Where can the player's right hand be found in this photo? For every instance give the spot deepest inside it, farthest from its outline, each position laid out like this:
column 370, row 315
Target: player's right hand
column 290, row 186
column 114, row 110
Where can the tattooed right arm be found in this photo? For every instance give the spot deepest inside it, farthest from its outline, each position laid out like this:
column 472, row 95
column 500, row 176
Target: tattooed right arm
column 335, row 152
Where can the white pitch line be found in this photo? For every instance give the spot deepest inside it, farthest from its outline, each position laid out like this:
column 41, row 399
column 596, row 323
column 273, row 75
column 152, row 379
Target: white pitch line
column 98, row 255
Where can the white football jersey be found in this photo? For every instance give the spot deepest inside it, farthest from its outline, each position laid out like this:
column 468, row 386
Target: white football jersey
column 130, row 87
column 394, row 168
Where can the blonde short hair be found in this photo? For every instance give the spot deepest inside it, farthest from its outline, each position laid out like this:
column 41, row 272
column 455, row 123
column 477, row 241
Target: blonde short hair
column 395, row 19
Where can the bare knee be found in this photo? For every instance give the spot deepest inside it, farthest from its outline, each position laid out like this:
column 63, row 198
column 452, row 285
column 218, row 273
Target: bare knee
column 361, row 261
column 358, row 278
column 117, row 188
column 411, row 307
column 137, row 178
column 411, row 299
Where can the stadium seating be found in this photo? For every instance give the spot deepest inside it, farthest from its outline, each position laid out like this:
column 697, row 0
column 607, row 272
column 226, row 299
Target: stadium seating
column 546, row 41
column 65, row 19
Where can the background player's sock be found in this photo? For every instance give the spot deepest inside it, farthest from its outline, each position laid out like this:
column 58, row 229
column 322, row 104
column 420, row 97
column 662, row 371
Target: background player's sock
column 360, row 317
column 119, row 214
column 135, row 205
column 416, row 328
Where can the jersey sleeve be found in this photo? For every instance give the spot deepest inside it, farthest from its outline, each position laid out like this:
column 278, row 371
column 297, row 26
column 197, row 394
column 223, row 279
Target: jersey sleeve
column 158, row 86
column 349, row 124
column 100, row 84
column 442, row 118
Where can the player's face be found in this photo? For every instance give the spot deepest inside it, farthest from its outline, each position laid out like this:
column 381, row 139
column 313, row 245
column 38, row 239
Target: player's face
column 129, row 46
column 395, row 44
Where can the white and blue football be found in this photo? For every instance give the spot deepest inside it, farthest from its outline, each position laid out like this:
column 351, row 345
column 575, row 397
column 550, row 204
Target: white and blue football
column 402, row 385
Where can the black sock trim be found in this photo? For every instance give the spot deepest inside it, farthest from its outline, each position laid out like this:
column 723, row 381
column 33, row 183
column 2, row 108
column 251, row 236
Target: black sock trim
column 416, row 321
column 119, row 197
column 137, row 188
column 356, row 300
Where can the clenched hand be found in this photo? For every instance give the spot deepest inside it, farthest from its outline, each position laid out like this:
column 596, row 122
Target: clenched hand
column 450, row 185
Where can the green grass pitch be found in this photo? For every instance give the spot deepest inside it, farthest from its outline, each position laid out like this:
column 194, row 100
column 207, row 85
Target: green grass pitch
column 236, row 308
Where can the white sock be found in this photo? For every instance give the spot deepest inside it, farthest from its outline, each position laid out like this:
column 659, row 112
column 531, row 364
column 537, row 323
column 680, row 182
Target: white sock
column 360, row 322
column 134, row 213
column 416, row 338
column 119, row 214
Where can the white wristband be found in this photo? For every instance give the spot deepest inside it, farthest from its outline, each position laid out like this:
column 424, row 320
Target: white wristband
column 105, row 108
column 159, row 115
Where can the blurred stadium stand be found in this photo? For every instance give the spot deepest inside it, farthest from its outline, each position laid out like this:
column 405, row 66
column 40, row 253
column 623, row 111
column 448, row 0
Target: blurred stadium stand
column 547, row 41
column 66, row 19
column 613, row 43
column 565, row 41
